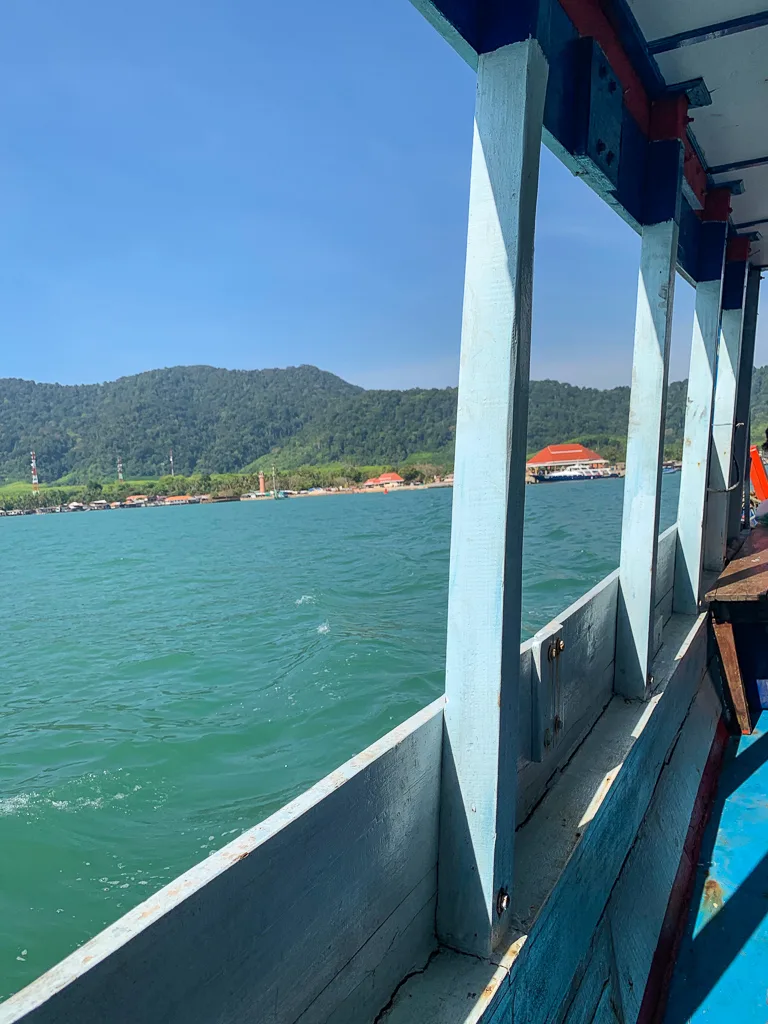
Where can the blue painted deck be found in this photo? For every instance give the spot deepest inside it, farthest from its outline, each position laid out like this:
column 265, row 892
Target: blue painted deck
column 722, row 969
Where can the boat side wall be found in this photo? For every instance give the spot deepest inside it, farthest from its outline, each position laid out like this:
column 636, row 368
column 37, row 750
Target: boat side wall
column 590, row 953
column 665, row 583
column 313, row 915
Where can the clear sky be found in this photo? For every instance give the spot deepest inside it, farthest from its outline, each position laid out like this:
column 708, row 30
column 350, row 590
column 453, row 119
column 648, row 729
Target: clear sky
column 248, row 184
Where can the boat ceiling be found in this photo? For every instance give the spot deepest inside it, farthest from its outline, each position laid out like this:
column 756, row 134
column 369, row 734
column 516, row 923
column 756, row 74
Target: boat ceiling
column 654, row 47
column 725, row 43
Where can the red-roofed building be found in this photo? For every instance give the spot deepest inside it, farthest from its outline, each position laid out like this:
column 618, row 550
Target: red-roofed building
column 565, row 456
column 385, row 480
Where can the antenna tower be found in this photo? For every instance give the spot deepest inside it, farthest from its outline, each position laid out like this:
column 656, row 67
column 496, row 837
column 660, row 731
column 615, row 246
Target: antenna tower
column 171, row 460
column 35, row 481
column 119, row 468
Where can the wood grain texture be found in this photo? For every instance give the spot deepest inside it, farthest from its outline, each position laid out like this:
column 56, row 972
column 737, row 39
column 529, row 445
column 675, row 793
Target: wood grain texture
column 638, row 904
column 484, row 594
column 341, row 879
column 567, row 962
column 569, row 658
column 645, row 440
column 665, row 583
column 723, row 439
column 696, row 443
column 571, row 914
column 729, row 659
column 745, row 578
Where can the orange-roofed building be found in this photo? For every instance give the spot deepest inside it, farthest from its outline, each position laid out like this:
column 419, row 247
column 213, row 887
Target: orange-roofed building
column 178, row 499
column 136, row 499
column 563, row 456
column 385, row 480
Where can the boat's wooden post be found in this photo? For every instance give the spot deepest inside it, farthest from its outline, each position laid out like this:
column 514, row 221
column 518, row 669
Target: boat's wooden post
column 647, row 406
column 698, row 408
column 740, row 495
column 721, row 475
column 479, row 778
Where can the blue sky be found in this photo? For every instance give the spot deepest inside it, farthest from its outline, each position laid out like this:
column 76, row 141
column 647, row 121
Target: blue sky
column 250, row 184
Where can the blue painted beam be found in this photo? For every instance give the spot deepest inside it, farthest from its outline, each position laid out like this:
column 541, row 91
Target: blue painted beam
column 636, row 625
column 739, row 165
column 482, row 671
column 701, row 35
column 724, row 433
column 741, row 440
column 750, row 224
column 698, row 412
column 473, row 26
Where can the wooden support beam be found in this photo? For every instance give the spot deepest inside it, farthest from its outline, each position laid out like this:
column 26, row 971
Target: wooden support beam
column 477, row 818
column 635, row 644
column 724, row 434
column 740, row 496
column 698, row 407
column 729, row 659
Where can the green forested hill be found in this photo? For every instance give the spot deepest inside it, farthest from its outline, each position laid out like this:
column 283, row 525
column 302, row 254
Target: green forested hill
column 224, row 420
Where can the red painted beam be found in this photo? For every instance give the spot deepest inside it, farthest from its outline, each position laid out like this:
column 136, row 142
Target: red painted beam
column 717, row 205
column 589, row 19
column 738, row 249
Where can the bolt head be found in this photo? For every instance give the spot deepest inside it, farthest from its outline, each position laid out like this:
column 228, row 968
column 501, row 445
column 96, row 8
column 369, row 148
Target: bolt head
column 502, row 901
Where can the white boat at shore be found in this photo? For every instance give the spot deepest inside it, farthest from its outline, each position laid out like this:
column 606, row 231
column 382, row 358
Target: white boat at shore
column 576, row 472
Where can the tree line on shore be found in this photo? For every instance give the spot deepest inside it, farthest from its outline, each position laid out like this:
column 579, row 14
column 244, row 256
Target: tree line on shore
column 216, row 484
column 236, row 422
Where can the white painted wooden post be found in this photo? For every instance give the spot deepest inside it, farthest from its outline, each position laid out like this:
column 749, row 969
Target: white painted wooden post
column 689, row 556
column 740, row 495
column 724, row 416
column 647, row 408
column 479, row 780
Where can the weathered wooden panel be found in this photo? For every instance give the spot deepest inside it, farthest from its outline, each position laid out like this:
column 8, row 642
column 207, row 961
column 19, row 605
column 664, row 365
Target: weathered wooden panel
column 563, row 932
column 639, row 901
column 665, row 582
column 340, row 880
column 569, row 691
column 524, row 704
column 402, row 944
column 569, row 657
column 567, row 968
column 591, row 986
column 665, row 566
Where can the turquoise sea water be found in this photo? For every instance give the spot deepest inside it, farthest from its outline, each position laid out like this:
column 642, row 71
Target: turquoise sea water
column 172, row 676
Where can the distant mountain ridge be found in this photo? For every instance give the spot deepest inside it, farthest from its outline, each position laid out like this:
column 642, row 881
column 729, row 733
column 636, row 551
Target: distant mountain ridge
column 225, row 420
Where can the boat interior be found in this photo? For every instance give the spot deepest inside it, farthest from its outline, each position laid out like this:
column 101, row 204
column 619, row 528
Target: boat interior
column 578, row 830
